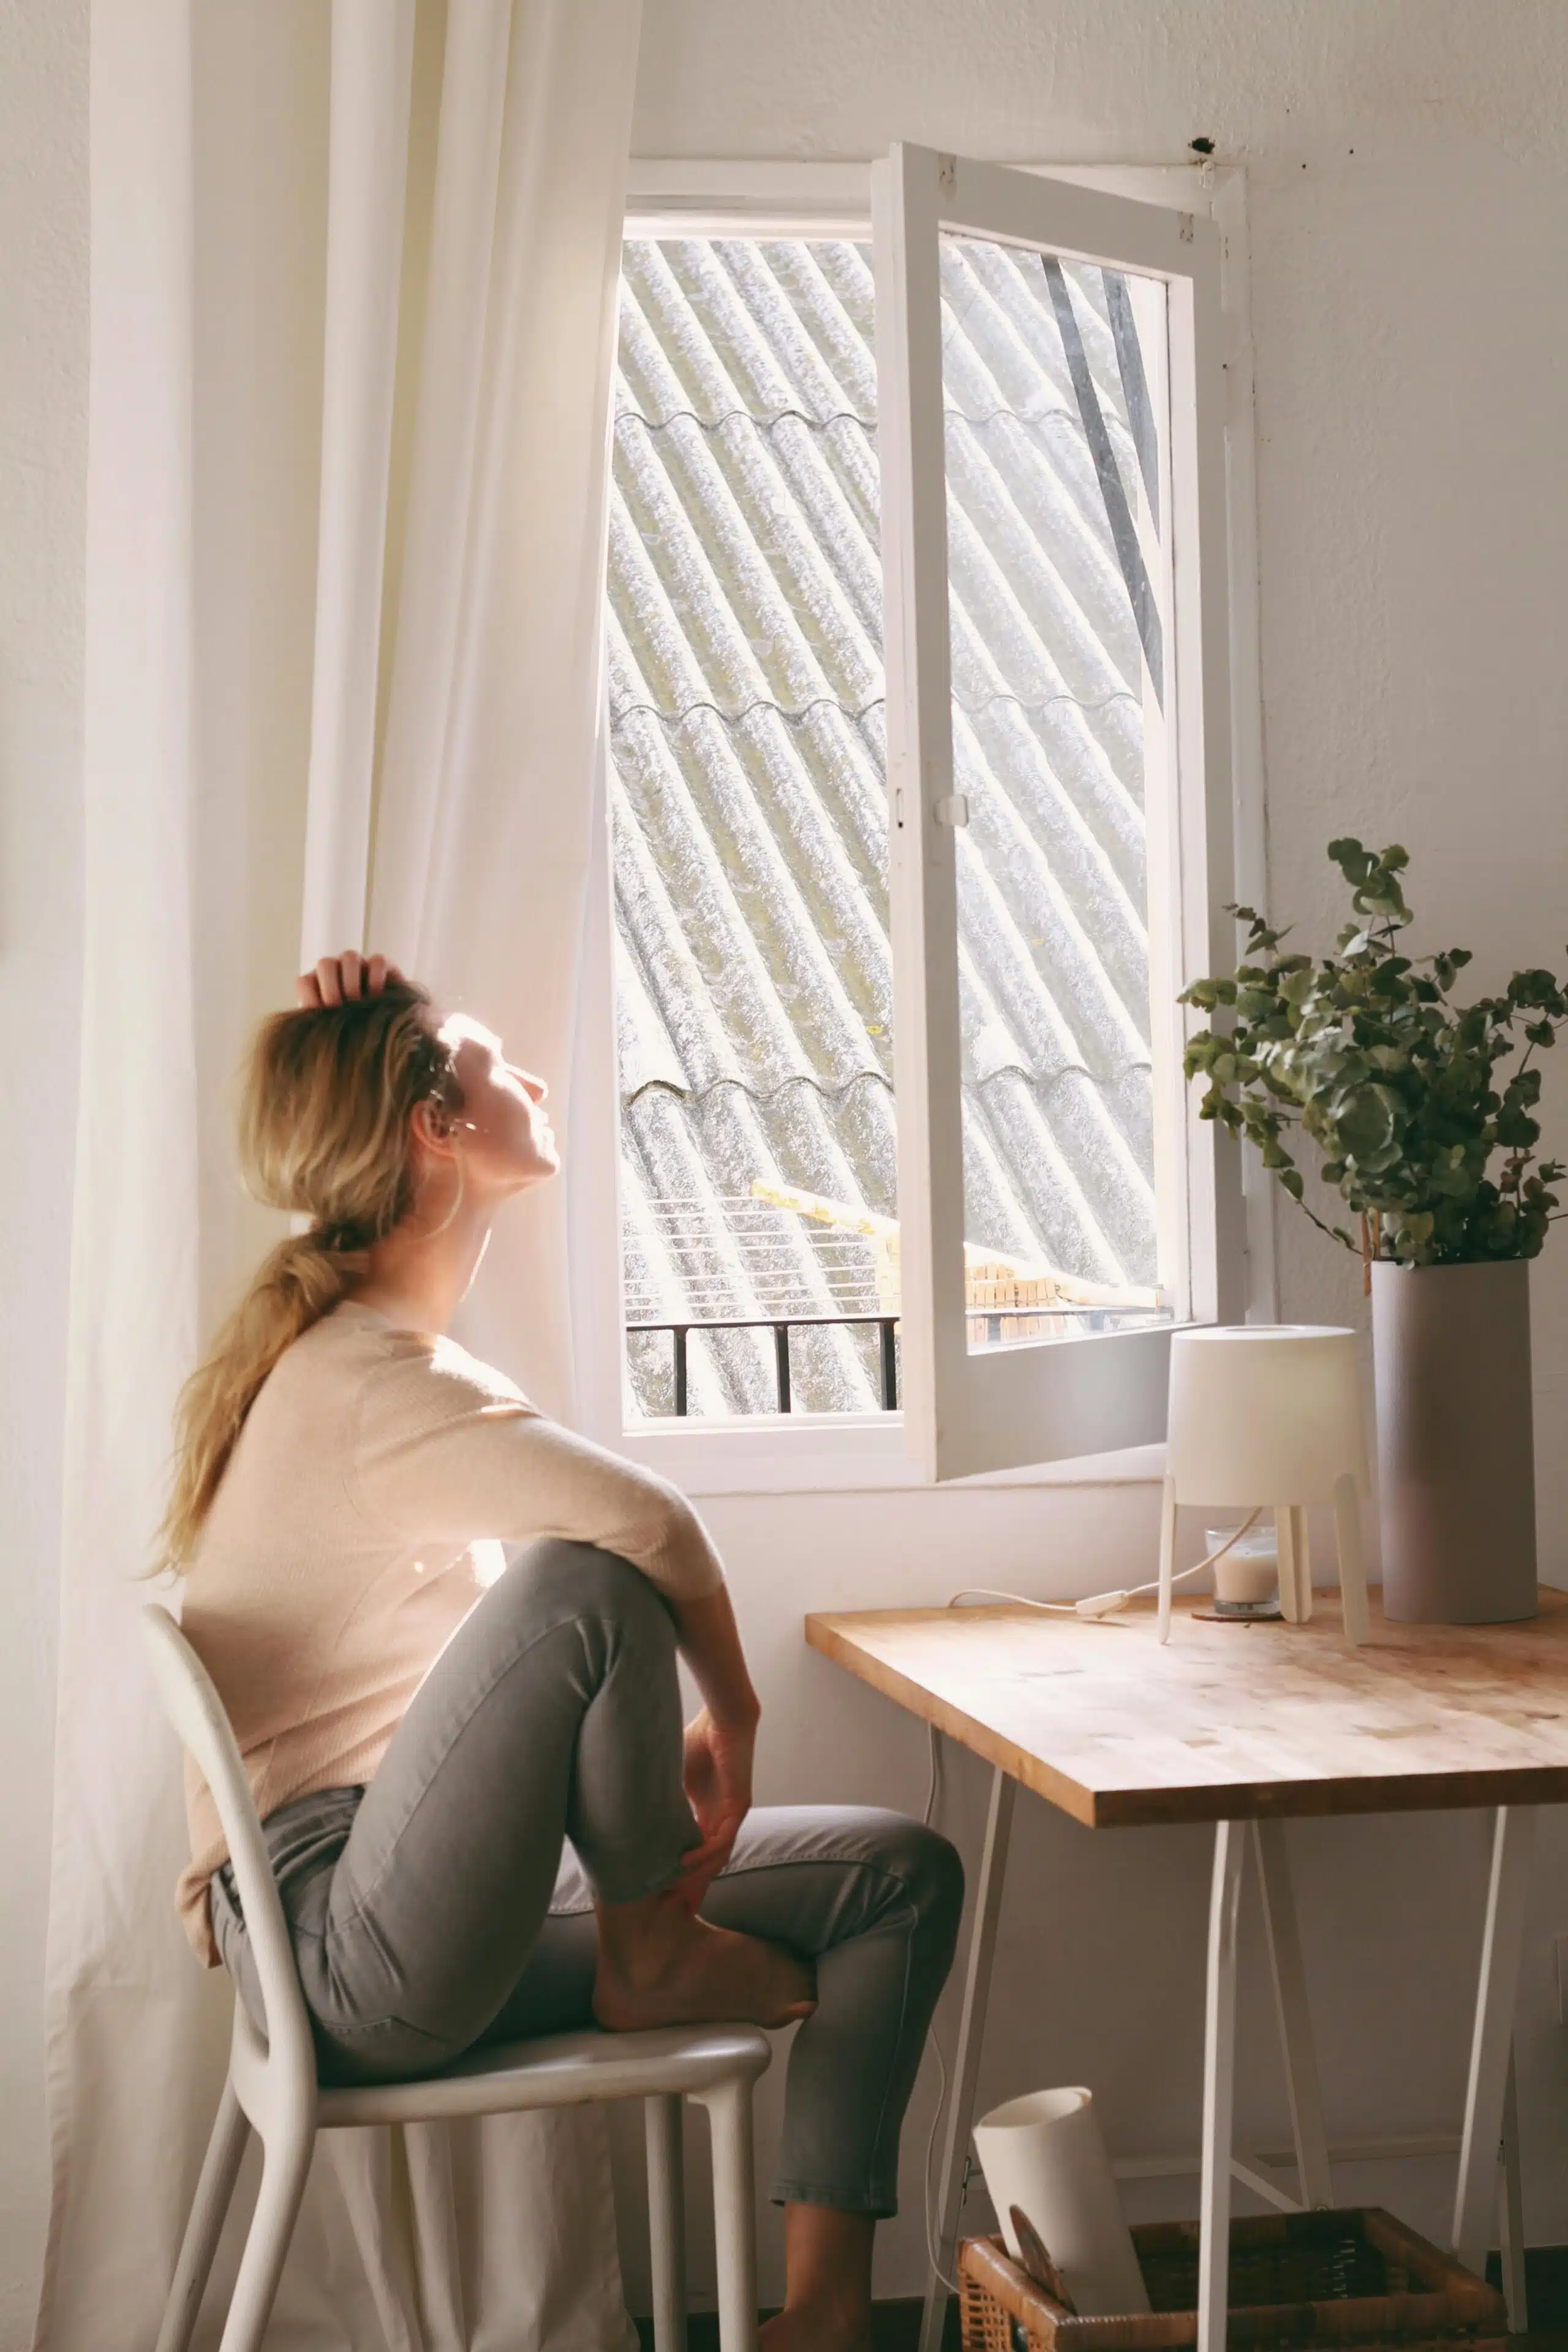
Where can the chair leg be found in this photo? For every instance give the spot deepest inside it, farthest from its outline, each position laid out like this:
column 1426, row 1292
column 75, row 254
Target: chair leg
column 667, row 2220
column 284, row 2167
column 215, row 2190
column 734, row 2214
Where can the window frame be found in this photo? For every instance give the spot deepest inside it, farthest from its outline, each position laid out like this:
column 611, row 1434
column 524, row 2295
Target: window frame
column 847, row 1453
column 969, row 1409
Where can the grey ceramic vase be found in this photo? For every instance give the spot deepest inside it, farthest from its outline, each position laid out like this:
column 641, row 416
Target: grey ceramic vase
column 1456, row 1453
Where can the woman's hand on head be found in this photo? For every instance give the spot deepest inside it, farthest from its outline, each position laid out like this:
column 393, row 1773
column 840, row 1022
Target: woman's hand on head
column 718, row 1775
column 343, row 978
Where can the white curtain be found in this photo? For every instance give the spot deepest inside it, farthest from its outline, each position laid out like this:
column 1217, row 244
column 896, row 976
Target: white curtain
column 351, row 325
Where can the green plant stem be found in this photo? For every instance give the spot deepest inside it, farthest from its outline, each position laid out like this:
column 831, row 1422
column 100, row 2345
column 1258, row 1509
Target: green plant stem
column 1322, row 1228
column 1515, row 1167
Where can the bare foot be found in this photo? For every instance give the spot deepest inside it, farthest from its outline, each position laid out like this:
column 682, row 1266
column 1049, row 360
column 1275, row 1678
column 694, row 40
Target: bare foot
column 658, row 1966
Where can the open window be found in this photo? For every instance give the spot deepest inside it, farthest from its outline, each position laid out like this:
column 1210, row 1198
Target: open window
column 920, row 815
column 1054, row 546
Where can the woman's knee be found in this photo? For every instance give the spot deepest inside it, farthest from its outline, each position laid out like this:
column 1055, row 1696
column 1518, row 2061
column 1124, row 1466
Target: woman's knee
column 933, row 1870
column 923, row 1872
column 561, row 1580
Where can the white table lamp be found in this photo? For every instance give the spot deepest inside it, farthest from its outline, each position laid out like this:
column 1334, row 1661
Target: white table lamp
column 1271, row 1415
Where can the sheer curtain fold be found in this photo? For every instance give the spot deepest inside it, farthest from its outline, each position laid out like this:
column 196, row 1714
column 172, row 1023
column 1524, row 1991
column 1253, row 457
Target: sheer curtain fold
column 370, row 89
column 450, row 314
column 479, row 873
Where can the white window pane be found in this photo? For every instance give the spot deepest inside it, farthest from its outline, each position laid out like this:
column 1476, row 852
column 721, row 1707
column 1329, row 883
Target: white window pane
column 1056, row 427
column 753, row 972
column 753, row 985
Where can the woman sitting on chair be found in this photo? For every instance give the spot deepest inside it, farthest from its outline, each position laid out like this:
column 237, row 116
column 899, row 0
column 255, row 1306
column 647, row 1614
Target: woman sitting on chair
column 423, row 1726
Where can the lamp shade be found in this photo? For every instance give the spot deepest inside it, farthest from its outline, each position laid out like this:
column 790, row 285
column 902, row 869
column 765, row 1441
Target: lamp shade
column 1043, row 2156
column 1267, row 1412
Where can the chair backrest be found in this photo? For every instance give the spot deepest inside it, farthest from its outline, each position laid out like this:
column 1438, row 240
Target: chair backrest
column 200, row 1720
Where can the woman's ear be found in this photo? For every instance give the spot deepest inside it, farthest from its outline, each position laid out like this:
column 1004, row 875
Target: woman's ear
column 431, row 1125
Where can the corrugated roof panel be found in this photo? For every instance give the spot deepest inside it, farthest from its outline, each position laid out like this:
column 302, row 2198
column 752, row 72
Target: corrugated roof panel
column 754, row 975
column 787, row 945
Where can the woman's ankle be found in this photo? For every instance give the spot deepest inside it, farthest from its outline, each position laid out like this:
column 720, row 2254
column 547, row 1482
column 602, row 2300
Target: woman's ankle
column 642, row 1941
column 827, row 2258
column 811, row 2327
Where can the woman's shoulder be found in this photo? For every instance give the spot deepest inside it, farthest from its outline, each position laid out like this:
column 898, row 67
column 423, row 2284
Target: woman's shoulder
column 405, row 1376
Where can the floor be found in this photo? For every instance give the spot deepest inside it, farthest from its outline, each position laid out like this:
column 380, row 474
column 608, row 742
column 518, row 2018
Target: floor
column 897, row 2324
column 898, row 2329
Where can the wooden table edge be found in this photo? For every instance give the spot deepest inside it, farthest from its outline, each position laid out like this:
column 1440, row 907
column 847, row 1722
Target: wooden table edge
column 1197, row 1802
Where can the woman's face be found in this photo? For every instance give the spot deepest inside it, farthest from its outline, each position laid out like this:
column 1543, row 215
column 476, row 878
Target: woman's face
column 503, row 1133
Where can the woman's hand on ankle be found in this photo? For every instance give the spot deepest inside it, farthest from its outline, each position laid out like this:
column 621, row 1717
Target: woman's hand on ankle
column 718, row 1775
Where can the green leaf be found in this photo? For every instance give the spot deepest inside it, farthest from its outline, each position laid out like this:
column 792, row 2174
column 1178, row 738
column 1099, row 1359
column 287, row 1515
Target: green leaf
column 1351, row 858
column 1364, row 1121
column 1208, row 993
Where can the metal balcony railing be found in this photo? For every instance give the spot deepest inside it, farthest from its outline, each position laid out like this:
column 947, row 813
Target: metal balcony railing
column 780, row 1326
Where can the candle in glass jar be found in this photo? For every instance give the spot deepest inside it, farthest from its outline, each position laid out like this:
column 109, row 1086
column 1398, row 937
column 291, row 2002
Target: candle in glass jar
column 1248, row 1574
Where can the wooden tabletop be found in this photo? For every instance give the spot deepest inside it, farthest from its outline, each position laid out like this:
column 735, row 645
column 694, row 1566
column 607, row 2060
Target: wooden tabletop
column 1230, row 1722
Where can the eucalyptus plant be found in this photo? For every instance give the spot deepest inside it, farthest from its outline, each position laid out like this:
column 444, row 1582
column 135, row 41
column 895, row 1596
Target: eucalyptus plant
column 1365, row 1053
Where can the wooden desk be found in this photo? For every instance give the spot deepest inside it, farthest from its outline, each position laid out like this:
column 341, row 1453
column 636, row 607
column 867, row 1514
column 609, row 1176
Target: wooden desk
column 1247, row 1727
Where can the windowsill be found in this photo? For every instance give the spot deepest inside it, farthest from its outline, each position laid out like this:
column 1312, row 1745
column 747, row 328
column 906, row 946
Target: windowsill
column 840, row 1453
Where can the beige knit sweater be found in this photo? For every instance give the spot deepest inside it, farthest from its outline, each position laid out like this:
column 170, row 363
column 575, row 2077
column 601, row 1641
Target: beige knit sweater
column 358, row 1521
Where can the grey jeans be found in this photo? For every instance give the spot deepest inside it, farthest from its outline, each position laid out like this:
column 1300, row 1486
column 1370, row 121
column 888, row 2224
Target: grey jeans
column 433, row 1910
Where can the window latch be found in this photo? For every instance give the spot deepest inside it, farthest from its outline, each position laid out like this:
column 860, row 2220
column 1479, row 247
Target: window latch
column 954, row 810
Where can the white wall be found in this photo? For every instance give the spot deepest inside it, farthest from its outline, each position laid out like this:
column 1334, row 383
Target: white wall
column 1409, row 203
column 1409, row 211
column 43, row 423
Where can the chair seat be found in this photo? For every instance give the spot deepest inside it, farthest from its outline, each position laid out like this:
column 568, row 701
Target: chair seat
column 559, row 2070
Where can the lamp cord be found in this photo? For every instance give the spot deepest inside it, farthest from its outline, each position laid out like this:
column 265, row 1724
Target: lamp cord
column 1100, row 1605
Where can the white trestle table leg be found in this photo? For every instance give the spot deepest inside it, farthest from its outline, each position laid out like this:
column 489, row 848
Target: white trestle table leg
column 1294, row 2017
column 1491, row 2046
column 1219, row 2086
column 1511, row 2211
column 966, row 2059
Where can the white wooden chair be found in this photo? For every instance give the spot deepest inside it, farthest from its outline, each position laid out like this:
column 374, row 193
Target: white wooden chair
column 272, row 2087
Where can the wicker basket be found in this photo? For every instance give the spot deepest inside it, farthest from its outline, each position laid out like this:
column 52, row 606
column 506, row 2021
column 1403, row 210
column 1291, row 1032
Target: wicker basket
column 1352, row 2278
